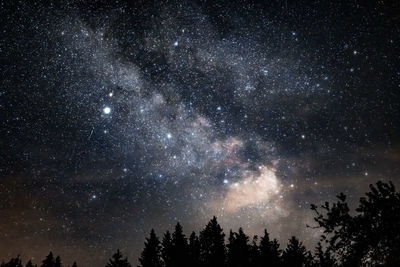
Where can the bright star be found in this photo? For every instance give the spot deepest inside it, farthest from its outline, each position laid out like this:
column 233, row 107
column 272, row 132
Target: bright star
column 107, row 110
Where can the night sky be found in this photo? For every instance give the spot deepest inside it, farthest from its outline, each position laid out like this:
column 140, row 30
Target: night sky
column 118, row 118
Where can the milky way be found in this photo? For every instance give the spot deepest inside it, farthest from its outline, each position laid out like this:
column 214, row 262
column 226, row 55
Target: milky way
column 121, row 118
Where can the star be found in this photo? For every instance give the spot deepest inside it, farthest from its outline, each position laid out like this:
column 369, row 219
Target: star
column 106, row 110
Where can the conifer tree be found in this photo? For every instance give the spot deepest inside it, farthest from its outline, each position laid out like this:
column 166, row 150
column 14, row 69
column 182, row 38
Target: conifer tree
column 49, row 261
column 30, row 264
column 238, row 249
column 275, row 253
column 14, row 262
column 151, row 254
column 212, row 245
column 179, row 247
column 166, row 250
column 295, row 254
column 269, row 251
column 118, row 260
column 58, row 262
column 74, row 264
column 194, row 250
column 254, row 253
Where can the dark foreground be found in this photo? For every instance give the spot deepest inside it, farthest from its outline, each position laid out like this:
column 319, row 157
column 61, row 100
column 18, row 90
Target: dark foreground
column 368, row 237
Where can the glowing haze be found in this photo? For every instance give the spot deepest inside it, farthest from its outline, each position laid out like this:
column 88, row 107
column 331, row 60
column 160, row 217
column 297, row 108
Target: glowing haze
column 256, row 187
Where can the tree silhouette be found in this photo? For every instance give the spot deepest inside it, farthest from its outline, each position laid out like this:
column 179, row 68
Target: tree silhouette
column 212, row 245
column 238, row 249
column 323, row 258
column 14, row 262
column 254, row 253
column 74, row 264
column 179, row 248
column 166, row 251
column 151, row 254
column 30, row 264
column 372, row 236
column 49, row 261
column 269, row 251
column 194, row 250
column 58, row 262
column 295, row 254
column 118, row 260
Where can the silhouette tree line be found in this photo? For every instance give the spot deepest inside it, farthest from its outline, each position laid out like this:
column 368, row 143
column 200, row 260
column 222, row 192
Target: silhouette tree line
column 369, row 237
column 209, row 249
column 49, row 261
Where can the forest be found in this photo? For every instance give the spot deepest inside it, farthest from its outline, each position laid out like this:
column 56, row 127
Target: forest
column 368, row 236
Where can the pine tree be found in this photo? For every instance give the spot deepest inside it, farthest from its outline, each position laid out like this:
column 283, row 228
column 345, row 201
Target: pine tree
column 212, row 245
column 238, row 249
column 74, row 264
column 269, row 251
column 254, row 260
column 14, row 262
column 117, row 260
column 179, row 247
column 276, row 253
column 58, row 262
column 49, row 261
column 30, row 264
column 194, row 250
column 295, row 254
column 230, row 248
column 166, row 251
column 151, row 254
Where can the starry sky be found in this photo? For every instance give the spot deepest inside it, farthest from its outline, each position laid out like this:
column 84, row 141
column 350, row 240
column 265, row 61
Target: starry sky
column 117, row 118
